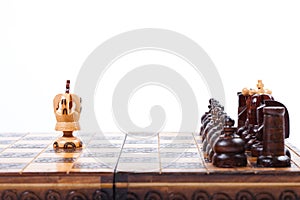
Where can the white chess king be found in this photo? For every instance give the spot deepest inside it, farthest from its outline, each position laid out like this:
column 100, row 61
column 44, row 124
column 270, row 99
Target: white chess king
column 67, row 108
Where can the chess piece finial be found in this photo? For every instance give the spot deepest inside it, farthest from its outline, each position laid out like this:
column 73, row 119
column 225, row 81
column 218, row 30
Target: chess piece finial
column 68, row 87
column 67, row 108
column 260, row 90
column 245, row 91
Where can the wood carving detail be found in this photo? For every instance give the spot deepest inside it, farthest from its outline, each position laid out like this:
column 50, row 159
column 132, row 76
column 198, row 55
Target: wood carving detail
column 149, row 195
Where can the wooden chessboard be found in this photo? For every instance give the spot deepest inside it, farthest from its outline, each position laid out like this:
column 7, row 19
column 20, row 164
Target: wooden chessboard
column 133, row 166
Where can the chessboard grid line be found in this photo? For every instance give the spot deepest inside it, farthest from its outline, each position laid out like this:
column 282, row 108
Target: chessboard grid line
column 80, row 153
column 27, row 165
column 201, row 154
column 115, row 169
column 159, row 155
column 10, row 145
column 119, row 156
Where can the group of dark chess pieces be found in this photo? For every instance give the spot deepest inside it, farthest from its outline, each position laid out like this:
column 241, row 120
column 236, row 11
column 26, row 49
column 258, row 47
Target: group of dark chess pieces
column 263, row 125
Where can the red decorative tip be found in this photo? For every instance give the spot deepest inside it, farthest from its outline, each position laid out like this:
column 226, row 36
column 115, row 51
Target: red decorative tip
column 68, row 87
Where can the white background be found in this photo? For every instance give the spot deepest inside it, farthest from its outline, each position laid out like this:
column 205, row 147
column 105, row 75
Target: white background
column 43, row 43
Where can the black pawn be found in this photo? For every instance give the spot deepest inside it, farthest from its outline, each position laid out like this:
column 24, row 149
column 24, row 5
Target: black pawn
column 229, row 150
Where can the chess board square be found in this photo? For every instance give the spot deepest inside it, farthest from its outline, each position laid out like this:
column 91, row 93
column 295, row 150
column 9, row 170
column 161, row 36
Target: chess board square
column 15, row 135
column 4, row 146
column 14, row 139
column 138, row 160
column 59, row 155
column 32, row 142
column 38, row 138
column 140, row 150
column 99, row 150
column 16, row 160
column 6, row 154
column 144, row 135
column 100, row 154
column 61, row 151
column 140, row 155
column 111, row 135
column 103, row 142
column 48, row 167
column 12, row 167
column 179, row 154
column 178, row 145
column 28, row 146
column 98, row 159
column 22, row 150
column 181, row 160
column 86, row 160
column 7, row 142
column 109, row 162
column 163, row 142
column 182, row 165
column 86, row 135
column 177, row 137
column 140, row 141
column 96, row 144
column 54, row 160
column 138, row 167
column 92, row 165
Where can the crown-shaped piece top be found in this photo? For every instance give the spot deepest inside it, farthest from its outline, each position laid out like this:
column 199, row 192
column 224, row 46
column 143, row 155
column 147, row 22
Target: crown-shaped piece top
column 67, row 108
column 260, row 90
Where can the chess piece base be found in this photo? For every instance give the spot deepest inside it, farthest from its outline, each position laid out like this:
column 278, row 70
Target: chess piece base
column 274, row 161
column 257, row 149
column 67, row 141
column 230, row 160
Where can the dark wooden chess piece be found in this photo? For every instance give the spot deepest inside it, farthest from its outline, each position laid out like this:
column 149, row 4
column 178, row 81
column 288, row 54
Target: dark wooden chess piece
column 213, row 121
column 248, row 108
column 67, row 108
column 213, row 134
column 242, row 108
column 225, row 121
column 274, row 154
column 207, row 117
column 211, row 127
column 229, row 150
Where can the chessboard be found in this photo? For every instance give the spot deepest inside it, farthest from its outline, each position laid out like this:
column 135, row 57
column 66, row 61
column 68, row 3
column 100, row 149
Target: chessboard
column 133, row 166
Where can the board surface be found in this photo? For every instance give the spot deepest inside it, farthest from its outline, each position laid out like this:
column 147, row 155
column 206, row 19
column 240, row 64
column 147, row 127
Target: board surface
column 116, row 165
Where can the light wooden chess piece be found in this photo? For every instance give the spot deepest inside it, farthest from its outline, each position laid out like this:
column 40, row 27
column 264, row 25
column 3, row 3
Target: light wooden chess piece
column 67, row 108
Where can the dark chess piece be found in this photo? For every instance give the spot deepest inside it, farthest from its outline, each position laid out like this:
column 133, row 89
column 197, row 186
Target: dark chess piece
column 212, row 122
column 212, row 126
column 67, row 108
column 249, row 102
column 274, row 154
column 242, row 108
column 225, row 121
column 207, row 117
column 229, row 150
column 213, row 133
